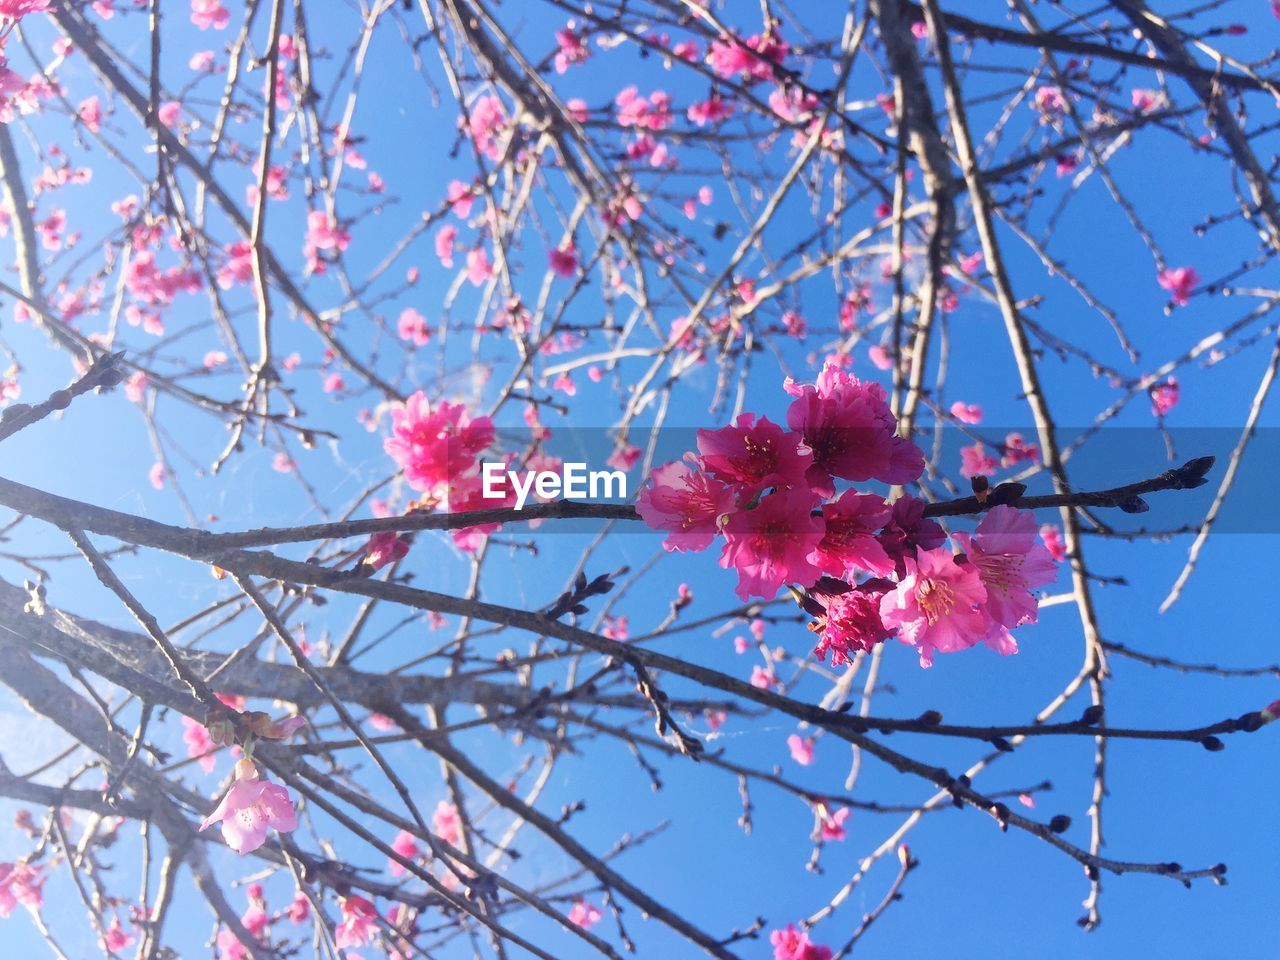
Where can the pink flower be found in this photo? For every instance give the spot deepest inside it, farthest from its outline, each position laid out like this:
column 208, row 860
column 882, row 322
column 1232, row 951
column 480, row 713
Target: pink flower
column 250, row 807
column 849, row 620
column 487, row 118
column 572, row 49
column 90, row 112
column 793, row 944
column 770, row 544
column 711, row 110
column 359, row 921
column 323, row 233
column 851, row 431
column 412, row 327
column 1051, row 537
column 1011, row 563
column 435, row 446
column 848, row 540
column 16, row 9
column 1016, row 450
column 169, row 113
column 1179, row 281
column 752, row 60
column 20, row 883
column 801, row 749
column 479, row 269
column 1164, row 396
column 969, row 413
column 563, row 260
column 938, row 605
column 578, row 110
column 384, row 547
column 299, row 910
column 1144, row 101
column 406, row 847
column 459, row 196
column 444, row 241
column 763, row 679
column 755, row 454
column 209, row 13
column 1049, row 101
column 114, row 939
column 584, row 914
column 446, row 823
column 201, row 61
column 831, row 825
column 976, row 462
column 199, row 743
column 156, row 475
column 686, row 502
column 908, row 530
column 333, row 383
column 239, row 266
column 230, row 947
column 644, row 113
column 282, row 463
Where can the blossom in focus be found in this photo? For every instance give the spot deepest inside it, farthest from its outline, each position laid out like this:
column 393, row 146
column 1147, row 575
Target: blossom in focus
column 250, row 808
column 754, row 454
column 770, row 545
column 938, row 605
column 433, row 446
column 848, row 540
column 686, row 502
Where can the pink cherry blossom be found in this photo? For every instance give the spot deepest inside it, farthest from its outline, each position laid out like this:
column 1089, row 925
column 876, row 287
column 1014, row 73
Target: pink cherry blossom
column 406, row 846
column 755, row 454
column 793, row 944
column 323, row 233
column 114, row 939
column 801, row 749
column 770, row 544
column 412, row 327
column 1049, row 100
column 446, row 823
column 851, row 431
column 831, row 822
column 1180, row 282
column 712, row 110
column 445, row 239
column 199, row 743
column 207, row 14
column 90, row 111
column 848, row 541
column 969, row 413
column 20, row 884
column 433, row 446
column 563, row 260
column 849, row 621
column 299, row 910
column 762, row 678
column 976, row 462
column 571, row 49
column 584, row 914
column 1164, row 396
column 752, row 60
column 460, row 196
column 156, row 475
column 359, row 921
column 479, row 269
column 249, row 809
column 687, row 502
column 1051, row 537
column 16, row 9
column 383, row 548
column 169, row 113
column 1011, row 563
column 487, row 118
column 938, row 605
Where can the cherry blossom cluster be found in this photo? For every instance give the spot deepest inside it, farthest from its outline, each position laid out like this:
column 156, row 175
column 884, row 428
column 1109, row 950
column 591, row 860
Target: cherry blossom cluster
column 867, row 568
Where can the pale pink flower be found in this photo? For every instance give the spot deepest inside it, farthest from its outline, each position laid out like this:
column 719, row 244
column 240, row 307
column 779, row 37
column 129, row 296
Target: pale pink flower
column 238, row 268
column 712, row 110
column 250, row 808
column 1180, row 282
column 207, row 14
column 583, row 914
column 770, row 544
column 446, row 823
column 201, row 61
column 412, row 327
column 801, row 749
column 686, row 502
column 460, row 196
column 763, row 679
column 199, row 743
column 230, row 947
column 1016, row 450
column 578, row 110
column 1144, row 101
column 1011, row 563
column 479, row 268
column 333, row 383
column 976, row 462
column 299, row 910
column 1049, row 101
column 405, row 846
column 90, row 111
column 169, row 113
column 969, row 413
column 359, row 921
column 851, row 431
column 1051, row 537
column 156, row 475
column 751, row 60
column 282, row 463
column 938, row 605
column 444, row 241
column 487, row 118
column 323, row 233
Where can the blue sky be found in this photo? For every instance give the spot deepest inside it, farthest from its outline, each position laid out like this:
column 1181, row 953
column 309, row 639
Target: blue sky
column 978, row 893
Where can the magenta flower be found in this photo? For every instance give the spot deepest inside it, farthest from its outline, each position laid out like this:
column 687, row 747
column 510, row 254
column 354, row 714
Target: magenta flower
column 850, row 622
column 938, row 605
column 793, row 944
column 831, row 822
column 383, row 548
column 770, row 545
column 563, row 260
column 755, row 454
column 851, row 431
column 687, row 502
column 250, row 808
column 909, row 530
column 1164, row 396
column 435, row 446
column 1011, row 562
column 1179, row 281
column 848, row 541
column 20, row 883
